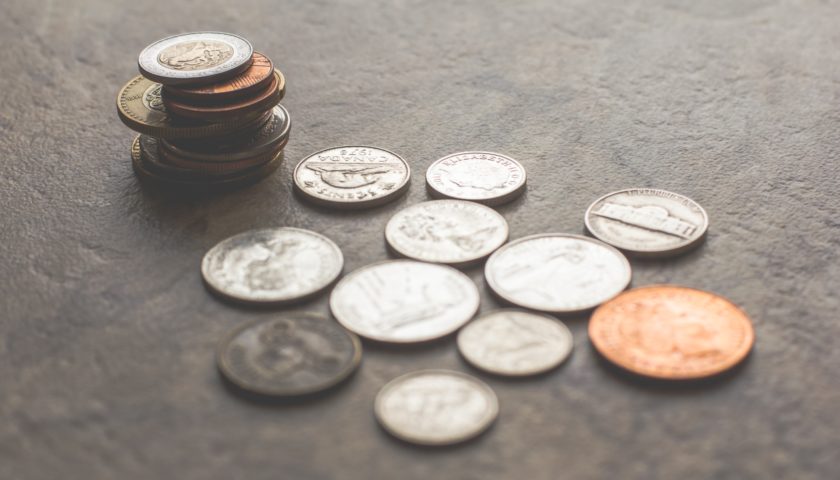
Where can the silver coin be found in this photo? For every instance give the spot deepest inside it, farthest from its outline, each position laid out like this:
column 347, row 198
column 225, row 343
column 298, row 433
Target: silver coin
column 402, row 301
column 647, row 222
column 484, row 177
column 352, row 177
column 515, row 342
column 296, row 354
column 200, row 57
column 272, row 266
column 454, row 232
column 436, row 407
column 556, row 272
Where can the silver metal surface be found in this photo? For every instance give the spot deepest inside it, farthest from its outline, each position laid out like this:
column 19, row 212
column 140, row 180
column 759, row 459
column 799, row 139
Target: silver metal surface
column 436, row 407
column 403, row 301
column 557, row 272
column 484, row 177
column 199, row 57
column 453, row 232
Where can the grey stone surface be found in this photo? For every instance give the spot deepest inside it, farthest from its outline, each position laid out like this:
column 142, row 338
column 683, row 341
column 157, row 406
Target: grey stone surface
column 107, row 334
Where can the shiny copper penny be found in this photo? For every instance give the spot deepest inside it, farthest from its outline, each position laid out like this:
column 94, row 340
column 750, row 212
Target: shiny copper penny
column 257, row 77
column 259, row 102
column 671, row 332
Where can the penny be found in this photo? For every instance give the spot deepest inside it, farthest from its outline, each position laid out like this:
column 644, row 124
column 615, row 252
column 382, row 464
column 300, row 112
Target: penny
column 515, row 342
column 671, row 332
column 295, row 354
column 647, row 222
column 403, row 301
column 484, row 177
column 352, row 177
column 436, row 407
column 454, row 232
column 257, row 77
column 195, row 58
column 237, row 108
column 556, row 272
column 272, row 266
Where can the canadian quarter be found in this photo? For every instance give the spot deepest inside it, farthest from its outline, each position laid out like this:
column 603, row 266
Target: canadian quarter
column 272, row 266
column 453, row 232
column 557, row 272
column 647, row 222
column 515, row 342
column 436, row 407
column 484, row 177
column 195, row 58
column 403, row 301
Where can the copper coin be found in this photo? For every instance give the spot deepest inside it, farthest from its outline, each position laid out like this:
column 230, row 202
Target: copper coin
column 257, row 77
column 671, row 332
column 261, row 101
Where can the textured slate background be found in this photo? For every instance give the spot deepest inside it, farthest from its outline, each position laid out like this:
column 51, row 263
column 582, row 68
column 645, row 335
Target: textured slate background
column 107, row 335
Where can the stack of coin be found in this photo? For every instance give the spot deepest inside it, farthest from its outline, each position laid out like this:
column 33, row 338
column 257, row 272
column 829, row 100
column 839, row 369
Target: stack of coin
column 207, row 110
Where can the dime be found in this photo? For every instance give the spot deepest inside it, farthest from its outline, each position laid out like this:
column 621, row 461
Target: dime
column 352, row 177
column 647, row 222
column 195, row 58
column 272, row 266
column 296, row 354
column 454, row 232
column 671, row 332
column 556, row 272
column 515, row 342
column 484, row 177
column 436, row 407
column 236, row 108
column 257, row 77
column 402, row 301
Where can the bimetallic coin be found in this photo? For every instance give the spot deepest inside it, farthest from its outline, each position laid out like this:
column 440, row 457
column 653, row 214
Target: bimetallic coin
column 515, row 342
column 257, row 77
column 195, row 58
column 484, row 177
column 352, row 177
column 231, row 109
column 296, row 354
column 402, row 301
column 272, row 266
column 647, row 222
column 556, row 272
column 671, row 332
column 436, row 407
column 454, row 232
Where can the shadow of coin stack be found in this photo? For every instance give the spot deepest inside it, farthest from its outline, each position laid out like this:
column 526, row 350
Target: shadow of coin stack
column 208, row 111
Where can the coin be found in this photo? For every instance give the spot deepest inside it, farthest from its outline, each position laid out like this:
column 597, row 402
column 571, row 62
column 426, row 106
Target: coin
column 272, row 266
column 454, row 232
column 195, row 58
column 236, row 108
column 140, row 107
column 671, row 332
column 556, row 272
column 484, row 177
column 436, row 407
column 647, row 221
column 402, row 301
column 257, row 77
column 515, row 342
column 295, row 354
column 352, row 177
column 219, row 168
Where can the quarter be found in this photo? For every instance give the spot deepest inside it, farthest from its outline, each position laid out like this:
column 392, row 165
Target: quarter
column 195, row 58
column 484, row 177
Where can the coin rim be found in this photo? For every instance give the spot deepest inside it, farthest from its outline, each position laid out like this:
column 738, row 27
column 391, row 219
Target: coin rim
column 507, row 373
column 276, row 302
column 380, row 339
column 488, row 422
column 461, row 263
column 494, row 287
column 158, row 77
column 200, row 95
column 649, row 253
column 223, row 364
column 245, row 106
column 491, row 201
column 387, row 198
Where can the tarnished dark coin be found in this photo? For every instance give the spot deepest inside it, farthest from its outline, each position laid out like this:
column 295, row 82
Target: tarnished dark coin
column 295, row 354
column 236, row 108
column 257, row 77
column 647, row 222
column 352, row 177
column 195, row 58
column 483, row 177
